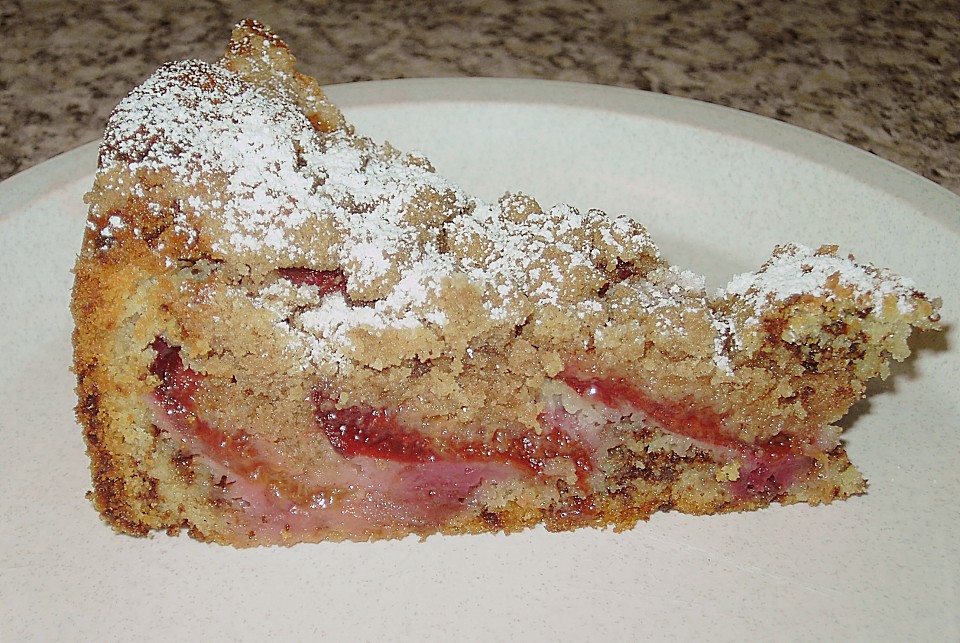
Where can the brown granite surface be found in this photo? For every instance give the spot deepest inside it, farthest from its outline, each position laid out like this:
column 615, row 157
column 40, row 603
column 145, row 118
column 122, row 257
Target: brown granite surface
column 884, row 76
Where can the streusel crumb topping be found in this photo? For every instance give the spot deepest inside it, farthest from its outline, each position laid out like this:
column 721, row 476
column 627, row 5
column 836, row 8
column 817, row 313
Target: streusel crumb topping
column 255, row 179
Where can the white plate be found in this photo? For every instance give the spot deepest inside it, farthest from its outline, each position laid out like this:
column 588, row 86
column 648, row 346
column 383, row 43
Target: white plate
column 718, row 189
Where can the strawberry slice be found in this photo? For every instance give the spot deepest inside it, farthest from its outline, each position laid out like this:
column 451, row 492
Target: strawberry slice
column 327, row 281
column 767, row 468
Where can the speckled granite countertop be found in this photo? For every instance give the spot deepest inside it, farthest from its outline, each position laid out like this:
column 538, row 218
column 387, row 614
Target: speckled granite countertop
column 883, row 76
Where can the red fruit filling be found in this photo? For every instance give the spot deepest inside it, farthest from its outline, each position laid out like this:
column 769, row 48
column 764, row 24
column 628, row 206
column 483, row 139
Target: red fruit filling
column 392, row 475
column 249, row 470
column 378, row 433
column 327, row 281
column 767, row 468
column 375, row 433
column 386, row 479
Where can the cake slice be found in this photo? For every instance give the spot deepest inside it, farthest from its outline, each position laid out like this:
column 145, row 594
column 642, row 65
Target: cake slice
column 287, row 332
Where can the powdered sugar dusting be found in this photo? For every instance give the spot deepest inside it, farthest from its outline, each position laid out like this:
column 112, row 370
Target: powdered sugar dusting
column 797, row 270
column 280, row 183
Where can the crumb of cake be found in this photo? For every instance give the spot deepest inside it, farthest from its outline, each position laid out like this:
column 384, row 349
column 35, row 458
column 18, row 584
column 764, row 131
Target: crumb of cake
column 288, row 332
